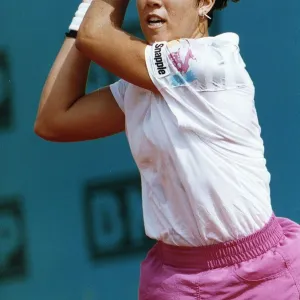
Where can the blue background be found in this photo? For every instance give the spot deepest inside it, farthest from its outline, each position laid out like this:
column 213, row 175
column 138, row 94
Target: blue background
column 50, row 178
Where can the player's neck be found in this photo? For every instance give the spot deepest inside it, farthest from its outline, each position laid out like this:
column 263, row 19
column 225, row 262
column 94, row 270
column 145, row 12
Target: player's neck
column 201, row 31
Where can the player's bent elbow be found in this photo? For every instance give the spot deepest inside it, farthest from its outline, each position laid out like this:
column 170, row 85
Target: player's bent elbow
column 81, row 42
column 86, row 38
column 47, row 130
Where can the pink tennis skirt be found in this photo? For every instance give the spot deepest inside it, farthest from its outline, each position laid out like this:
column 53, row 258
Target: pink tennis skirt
column 263, row 266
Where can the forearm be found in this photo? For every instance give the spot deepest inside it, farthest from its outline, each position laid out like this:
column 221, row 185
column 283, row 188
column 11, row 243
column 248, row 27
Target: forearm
column 66, row 81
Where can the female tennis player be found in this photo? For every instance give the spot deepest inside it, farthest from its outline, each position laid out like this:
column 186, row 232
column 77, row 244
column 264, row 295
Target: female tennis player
column 187, row 104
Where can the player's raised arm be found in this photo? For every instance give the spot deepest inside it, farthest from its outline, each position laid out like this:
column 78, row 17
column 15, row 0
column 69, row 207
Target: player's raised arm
column 66, row 113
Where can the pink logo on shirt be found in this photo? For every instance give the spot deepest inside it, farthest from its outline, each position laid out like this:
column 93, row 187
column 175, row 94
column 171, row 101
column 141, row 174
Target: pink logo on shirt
column 182, row 66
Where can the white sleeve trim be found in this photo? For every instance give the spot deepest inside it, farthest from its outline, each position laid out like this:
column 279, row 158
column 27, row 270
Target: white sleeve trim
column 115, row 90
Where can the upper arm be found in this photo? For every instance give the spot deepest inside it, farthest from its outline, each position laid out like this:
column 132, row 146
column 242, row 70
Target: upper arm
column 119, row 53
column 93, row 116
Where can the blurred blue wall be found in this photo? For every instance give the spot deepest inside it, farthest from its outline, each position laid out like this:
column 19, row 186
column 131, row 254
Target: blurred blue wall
column 54, row 243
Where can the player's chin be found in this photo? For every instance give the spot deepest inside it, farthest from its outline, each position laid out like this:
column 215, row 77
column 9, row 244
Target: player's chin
column 153, row 38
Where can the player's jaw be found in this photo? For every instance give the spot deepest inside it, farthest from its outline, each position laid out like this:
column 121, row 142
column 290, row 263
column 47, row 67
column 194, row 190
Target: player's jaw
column 155, row 27
column 166, row 20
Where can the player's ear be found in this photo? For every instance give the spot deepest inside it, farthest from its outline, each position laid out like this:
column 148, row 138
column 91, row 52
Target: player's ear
column 205, row 6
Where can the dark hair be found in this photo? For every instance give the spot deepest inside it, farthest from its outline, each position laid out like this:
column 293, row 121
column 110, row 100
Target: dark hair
column 219, row 4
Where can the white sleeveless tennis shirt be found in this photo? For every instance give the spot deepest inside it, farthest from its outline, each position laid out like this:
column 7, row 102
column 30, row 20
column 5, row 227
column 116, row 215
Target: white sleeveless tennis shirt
column 198, row 145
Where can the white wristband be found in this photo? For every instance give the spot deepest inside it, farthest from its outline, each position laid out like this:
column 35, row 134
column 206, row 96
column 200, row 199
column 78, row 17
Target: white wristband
column 79, row 15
